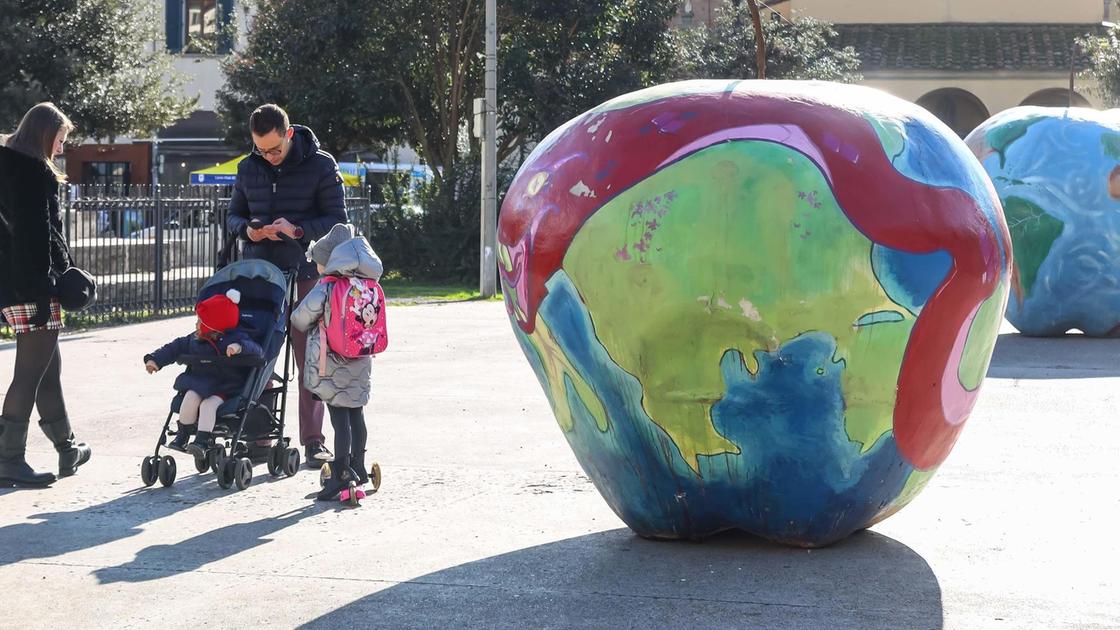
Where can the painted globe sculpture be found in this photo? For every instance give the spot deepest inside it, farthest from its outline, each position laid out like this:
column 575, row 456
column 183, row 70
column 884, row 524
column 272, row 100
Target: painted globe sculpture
column 1057, row 172
column 756, row 305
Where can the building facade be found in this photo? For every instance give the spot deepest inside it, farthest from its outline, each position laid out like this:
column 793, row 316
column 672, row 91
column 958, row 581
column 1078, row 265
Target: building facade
column 964, row 60
column 199, row 33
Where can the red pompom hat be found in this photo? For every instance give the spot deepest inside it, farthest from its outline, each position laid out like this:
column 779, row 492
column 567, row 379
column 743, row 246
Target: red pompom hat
column 219, row 313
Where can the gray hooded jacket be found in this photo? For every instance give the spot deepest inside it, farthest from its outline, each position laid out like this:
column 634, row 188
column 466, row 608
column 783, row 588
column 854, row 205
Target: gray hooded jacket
column 342, row 382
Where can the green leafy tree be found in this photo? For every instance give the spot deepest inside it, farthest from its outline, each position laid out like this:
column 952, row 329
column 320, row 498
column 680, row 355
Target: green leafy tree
column 409, row 71
column 94, row 59
column 433, row 52
column 559, row 59
column 801, row 48
column 1104, row 64
column 312, row 59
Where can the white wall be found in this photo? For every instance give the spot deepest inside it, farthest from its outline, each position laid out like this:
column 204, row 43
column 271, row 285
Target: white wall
column 204, row 77
column 997, row 93
column 204, row 72
column 896, row 11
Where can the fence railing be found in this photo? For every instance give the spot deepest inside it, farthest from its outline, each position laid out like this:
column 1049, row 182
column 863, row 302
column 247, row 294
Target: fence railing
column 151, row 247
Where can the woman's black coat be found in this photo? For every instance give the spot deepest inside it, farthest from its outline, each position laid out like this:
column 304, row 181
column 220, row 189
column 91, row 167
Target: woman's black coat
column 33, row 251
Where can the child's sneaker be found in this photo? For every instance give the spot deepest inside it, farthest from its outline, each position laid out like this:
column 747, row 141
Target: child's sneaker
column 359, row 492
column 315, row 454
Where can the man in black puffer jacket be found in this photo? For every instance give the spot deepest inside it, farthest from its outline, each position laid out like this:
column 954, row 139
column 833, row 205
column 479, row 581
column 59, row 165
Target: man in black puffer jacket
column 288, row 185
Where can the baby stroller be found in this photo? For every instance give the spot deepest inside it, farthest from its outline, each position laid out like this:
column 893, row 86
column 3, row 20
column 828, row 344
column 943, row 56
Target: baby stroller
column 256, row 414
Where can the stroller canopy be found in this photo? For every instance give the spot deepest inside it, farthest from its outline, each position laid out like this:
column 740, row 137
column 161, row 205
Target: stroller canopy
column 247, row 269
column 264, row 297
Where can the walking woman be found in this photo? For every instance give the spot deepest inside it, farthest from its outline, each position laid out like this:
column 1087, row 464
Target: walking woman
column 33, row 254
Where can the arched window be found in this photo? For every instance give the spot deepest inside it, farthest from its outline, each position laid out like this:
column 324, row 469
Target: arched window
column 957, row 108
column 1055, row 97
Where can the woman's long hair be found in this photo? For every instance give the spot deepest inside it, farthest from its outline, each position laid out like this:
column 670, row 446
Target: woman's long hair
column 36, row 133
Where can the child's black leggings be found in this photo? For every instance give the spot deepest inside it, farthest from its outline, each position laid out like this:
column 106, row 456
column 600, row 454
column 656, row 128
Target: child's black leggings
column 349, row 439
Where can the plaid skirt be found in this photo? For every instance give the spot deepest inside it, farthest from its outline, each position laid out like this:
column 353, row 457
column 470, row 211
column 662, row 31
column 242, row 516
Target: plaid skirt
column 19, row 314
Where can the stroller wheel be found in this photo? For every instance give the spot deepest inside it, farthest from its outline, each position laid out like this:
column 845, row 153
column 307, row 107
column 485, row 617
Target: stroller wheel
column 215, row 457
column 291, row 461
column 202, row 464
column 149, row 470
column 227, row 472
column 243, row 473
column 352, row 498
column 167, row 470
column 324, row 475
column 276, row 460
column 375, row 477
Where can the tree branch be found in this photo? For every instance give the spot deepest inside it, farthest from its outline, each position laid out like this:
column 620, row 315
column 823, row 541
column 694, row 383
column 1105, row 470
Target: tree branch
column 461, row 59
column 510, row 143
column 435, row 161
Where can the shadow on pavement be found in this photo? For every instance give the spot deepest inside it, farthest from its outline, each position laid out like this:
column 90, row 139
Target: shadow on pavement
column 59, row 533
column 159, row 561
column 614, row 579
column 10, row 344
column 1071, row 356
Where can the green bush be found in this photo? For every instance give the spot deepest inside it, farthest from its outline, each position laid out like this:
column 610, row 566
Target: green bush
column 432, row 235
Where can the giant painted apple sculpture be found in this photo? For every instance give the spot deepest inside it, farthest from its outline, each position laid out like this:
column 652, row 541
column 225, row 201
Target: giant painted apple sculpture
column 1057, row 172
column 756, row 305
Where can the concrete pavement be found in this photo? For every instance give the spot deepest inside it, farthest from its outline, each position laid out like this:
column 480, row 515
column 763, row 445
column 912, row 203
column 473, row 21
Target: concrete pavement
column 485, row 520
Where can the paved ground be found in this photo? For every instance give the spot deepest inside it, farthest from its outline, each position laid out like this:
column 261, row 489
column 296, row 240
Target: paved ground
column 486, row 521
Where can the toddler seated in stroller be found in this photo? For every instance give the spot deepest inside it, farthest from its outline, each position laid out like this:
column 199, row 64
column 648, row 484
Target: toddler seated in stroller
column 206, row 386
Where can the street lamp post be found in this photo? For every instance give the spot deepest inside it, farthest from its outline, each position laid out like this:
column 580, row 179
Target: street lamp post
column 488, row 267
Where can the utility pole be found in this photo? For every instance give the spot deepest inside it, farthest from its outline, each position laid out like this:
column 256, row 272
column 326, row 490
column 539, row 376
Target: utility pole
column 1072, row 71
column 155, row 160
column 488, row 266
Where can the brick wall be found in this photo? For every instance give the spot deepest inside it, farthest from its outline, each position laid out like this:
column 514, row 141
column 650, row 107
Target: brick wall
column 138, row 155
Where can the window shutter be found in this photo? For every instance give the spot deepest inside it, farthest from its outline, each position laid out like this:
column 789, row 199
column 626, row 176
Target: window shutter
column 225, row 18
column 173, row 21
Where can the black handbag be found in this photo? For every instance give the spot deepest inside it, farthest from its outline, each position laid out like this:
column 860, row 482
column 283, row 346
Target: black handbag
column 75, row 289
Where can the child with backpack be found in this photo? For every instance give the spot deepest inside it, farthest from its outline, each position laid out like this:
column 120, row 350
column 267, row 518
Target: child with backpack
column 345, row 321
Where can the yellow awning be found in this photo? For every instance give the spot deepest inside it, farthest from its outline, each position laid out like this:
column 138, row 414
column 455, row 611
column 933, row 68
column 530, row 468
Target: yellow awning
column 226, row 173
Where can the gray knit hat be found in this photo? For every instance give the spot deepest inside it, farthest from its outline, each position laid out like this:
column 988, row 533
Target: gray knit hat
column 320, row 251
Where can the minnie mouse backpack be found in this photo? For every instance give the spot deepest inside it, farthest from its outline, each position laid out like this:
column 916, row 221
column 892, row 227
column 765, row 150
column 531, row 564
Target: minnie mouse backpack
column 355, row 325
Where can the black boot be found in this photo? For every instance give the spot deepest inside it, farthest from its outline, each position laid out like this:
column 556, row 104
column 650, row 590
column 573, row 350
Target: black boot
column 358, row 466
column 203, row 441
column 71, row 453
column 339, row 481
column 13, row 467
column 182, row 436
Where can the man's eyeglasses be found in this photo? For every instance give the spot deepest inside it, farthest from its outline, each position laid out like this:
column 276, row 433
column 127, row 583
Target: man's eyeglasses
column 275, row 151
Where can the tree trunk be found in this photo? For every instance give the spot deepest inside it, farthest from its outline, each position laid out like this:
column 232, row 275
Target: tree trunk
column 759, row 40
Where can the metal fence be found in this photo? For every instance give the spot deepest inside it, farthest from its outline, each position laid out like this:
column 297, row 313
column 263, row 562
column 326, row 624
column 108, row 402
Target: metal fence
column 151, row 247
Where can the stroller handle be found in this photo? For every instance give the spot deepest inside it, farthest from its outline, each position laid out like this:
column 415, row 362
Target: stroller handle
column 291, row 242
column 225, row 256
column 195, row 360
